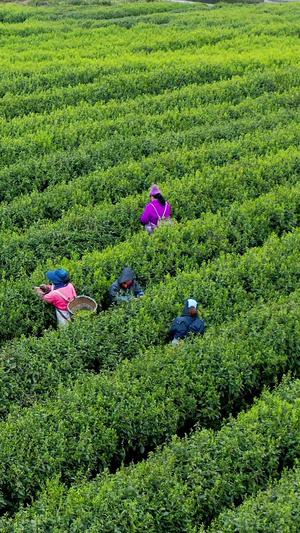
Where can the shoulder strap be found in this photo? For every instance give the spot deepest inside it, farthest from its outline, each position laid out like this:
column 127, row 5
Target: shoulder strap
column 165, row 210
column 62, row 295
column 156, row 211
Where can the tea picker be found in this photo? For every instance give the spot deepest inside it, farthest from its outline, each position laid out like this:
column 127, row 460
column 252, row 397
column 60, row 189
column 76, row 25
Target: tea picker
column 188, row 323
column 125, row 287
column 157, row 212
column 62, row 294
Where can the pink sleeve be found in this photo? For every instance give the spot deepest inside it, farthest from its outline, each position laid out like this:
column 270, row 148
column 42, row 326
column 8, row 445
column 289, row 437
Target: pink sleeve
column 49, row 297
column 146, row 215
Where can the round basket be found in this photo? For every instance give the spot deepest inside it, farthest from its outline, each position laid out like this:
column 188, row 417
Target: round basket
column 82, row 303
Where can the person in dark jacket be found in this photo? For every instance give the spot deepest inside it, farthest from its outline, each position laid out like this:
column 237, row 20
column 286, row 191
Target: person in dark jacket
column 125, row 287
column 188, row 323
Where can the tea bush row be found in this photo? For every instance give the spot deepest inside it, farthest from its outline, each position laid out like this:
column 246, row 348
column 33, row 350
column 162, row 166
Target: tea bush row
column 131, row 85
column 31, row 368
column 99, row 421
column 238, row 91
column 54, row 134
column 83, row 229
column 119, row 53
column 13, row 14
column 275, row 509
column 130, row 177
column 23, row 313
column 61, row 165
column 187, row 483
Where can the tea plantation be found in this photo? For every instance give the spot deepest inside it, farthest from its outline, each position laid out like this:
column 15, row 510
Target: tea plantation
column 104, row 425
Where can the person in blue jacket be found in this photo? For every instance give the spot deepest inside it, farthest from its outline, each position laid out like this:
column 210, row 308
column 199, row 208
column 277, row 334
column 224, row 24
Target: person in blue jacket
column 188, row 323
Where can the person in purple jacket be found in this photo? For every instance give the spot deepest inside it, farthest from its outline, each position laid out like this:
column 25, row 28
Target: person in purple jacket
column 158, row 209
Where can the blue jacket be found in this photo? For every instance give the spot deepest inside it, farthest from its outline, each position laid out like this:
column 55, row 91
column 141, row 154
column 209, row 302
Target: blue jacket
column 184, row 325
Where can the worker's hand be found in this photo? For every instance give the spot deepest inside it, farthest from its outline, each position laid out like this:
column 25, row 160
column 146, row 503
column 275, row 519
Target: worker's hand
column 44, row 287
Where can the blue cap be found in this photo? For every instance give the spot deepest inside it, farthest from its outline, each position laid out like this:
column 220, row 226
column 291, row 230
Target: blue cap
column 58, row 276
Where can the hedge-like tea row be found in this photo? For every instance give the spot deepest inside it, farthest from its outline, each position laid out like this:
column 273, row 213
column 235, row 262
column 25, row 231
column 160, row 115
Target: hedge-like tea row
column 30, row 368
column 63, row 165
column 177, row 249
column 276, row 509
column 230, row 96
column 14, row 13
column 57, row 136
column 83, row 230
column 94, row 274
column 199, row 241
column 187, row 483
column 103, row 418
column 124, row 179
column 172, row 74
column 73, row 127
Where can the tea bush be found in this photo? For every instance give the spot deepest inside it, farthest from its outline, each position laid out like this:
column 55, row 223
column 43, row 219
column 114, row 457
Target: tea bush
column 103, row 418
column 176, row 249
column 83, row 229
column 32, row 367
column 97, row 103
column 188, row 482
column 275, row 509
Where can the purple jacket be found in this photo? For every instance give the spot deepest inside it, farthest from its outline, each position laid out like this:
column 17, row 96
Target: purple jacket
column 150, row 215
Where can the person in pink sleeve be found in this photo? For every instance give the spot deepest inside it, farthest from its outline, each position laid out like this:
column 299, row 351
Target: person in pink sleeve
column 60, row 293
column 157, row 209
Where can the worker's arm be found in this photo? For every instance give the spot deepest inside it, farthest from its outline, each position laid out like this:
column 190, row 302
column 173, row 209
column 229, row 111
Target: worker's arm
column 113, row 291
column 145, row 218
column 42, row 290
column 179, row 328
column 197, row 326
column 138, row 291
column 49, row 297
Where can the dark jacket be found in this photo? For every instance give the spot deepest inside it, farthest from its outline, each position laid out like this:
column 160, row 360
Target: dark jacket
column 119, row 293
column 184, row 325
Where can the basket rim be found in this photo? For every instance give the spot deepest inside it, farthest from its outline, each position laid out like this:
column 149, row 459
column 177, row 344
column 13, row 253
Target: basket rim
column 78, row 298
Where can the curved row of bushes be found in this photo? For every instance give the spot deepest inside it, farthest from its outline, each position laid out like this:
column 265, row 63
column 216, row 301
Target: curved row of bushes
column 134, row 47
column 62, row 165
column 116, row 183
column 31, row 368
column 198, row 241
column 54, row 137
column 81, row 231
column 86, row 428
column 72, row 127
column 262, row 86
column 273, row 510
column 170, row 72
column 102, row 418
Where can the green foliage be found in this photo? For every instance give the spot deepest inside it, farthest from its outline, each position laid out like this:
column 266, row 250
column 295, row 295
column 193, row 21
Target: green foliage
column 186, row 483
column 270, row 511
column 98, row 102
column 104, row 418
column 177, row 249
